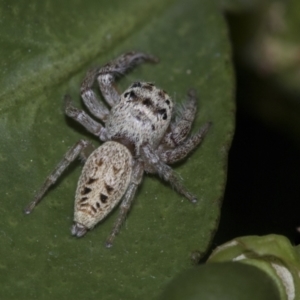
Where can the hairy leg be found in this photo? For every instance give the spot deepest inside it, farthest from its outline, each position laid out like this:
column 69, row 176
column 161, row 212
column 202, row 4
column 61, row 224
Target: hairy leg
column 182, row 126
column 107, row 74
column 84, row 119
column 89, row 97
column 69, row 157
column 166, row 173
column 181, row 151
column 127, row 202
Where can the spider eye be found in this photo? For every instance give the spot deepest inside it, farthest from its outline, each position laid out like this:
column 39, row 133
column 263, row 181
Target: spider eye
column 147, row 102
column 148, row 87
column 136, row 84
column 131, row 95
column 163, row 112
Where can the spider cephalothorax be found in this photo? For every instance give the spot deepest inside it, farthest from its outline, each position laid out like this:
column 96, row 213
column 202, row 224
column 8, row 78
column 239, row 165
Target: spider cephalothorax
column 139, row 136
column 142, row 116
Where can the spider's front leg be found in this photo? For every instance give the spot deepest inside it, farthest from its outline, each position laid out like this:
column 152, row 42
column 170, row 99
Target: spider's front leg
column 107, row 74
column 84, row 119
column 89, row 97
column 177, row 139
column 82, row 148
column 181, row 128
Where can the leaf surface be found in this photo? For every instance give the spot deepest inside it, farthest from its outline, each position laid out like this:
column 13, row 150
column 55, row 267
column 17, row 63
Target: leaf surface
column 47, row 46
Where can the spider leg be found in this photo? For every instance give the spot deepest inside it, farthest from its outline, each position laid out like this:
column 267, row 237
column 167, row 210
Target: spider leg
column 89, row 97
column 166, row 173
column 127, row 202
column 84, row 119
column 173, row 155
column 107, row 74
column 181, row 128
column 70, row 156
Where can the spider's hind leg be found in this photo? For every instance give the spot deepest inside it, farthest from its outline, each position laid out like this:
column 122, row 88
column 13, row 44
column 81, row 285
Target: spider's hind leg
column 127, row 202
column 70, row 156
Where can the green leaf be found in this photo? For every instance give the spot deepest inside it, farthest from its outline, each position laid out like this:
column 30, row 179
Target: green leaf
column 222, row 281
column 272, row 254
column 46, row 48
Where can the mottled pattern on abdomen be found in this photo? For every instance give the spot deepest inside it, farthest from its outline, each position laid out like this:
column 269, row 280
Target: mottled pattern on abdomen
column 103, row 181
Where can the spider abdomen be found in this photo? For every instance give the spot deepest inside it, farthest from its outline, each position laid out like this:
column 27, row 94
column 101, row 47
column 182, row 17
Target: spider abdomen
column 103, row 181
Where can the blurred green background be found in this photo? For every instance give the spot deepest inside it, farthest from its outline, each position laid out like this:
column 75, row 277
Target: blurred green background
column 263, row 191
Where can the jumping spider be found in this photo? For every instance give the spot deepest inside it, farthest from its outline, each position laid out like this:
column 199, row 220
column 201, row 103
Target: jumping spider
column 139, row 137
